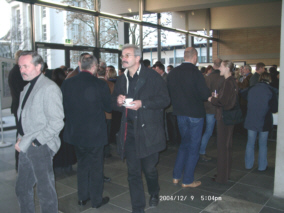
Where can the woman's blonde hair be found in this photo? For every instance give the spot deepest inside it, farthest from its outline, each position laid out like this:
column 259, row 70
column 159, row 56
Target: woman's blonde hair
column 266, row 77
column 229, row 64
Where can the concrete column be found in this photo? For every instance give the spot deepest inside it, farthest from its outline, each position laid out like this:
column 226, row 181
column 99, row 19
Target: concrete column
column 279, row 165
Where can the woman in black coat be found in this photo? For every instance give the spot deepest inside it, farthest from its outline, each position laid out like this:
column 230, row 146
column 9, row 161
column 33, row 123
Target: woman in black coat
column 65, row 157
column 262, row 102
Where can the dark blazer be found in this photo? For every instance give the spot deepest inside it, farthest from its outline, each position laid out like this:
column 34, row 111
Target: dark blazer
column 262, row 102
column 188, row 91
column 148, row 125
column 85, row 99
column 16, row 84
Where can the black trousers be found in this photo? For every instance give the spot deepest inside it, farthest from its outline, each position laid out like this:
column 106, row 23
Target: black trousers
column 90, row 173
column 172, row 127
column 135, row 167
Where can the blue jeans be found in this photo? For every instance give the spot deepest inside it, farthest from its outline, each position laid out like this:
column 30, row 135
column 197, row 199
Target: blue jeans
column 210, row 123
column 188, row 153
column 262, row 153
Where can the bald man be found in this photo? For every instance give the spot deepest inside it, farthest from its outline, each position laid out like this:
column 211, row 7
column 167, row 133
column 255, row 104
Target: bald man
column 188, row 91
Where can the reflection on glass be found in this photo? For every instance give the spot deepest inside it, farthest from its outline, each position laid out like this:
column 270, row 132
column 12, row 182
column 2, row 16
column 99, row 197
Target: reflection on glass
column 15, row 31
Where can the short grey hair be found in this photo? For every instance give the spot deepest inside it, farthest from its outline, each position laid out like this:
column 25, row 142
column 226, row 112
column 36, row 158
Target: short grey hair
column 248, row 67
column 88, row 61
column 137, row 50
column 36, row 58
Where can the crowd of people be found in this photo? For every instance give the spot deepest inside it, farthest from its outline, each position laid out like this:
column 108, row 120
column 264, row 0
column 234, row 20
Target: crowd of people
column 67, row 116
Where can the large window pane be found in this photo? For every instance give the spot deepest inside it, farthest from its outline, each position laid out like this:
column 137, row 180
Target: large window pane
column 15, row 30
column 55, row 26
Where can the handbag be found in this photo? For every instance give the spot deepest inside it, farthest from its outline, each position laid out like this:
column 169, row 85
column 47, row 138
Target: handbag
column 234, row 115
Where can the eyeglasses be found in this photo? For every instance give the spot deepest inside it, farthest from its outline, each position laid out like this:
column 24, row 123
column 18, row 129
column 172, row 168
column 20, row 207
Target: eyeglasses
column 125, row 56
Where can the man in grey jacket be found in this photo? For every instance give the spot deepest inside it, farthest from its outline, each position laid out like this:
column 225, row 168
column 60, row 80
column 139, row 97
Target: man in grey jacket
column 40, row 115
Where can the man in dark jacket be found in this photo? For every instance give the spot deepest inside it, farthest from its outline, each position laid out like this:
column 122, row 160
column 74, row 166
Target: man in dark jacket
column 141, row 136
column 259, row 69
column 16, row 84
column 85, row 99
column 188, row 91
column 214, row 82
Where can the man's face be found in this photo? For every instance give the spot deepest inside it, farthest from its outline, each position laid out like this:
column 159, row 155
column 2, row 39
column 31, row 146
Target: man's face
column 246, row 71
column 158, row 70
column 129, row 60
column 168, row 69
column 261, row 70
column 27, row 69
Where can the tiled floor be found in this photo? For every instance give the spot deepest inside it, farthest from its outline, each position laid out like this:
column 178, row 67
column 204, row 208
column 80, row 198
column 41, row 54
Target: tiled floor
column 247, row 191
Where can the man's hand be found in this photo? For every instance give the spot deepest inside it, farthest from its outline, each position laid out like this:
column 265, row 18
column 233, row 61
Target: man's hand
column 120, row 100
column 17, row 145
column 136, row 106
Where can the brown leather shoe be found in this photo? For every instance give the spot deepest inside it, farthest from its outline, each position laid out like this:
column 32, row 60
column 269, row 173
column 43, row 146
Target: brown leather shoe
column 175, row 181
column 192, row 185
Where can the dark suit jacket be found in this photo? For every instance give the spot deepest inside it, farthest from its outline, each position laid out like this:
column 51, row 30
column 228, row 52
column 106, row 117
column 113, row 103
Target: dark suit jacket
column 16, row 84
column 85, row 99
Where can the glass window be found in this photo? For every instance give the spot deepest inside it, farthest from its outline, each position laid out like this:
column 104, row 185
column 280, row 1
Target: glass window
column 166, row 19
column 109, row 33
column 134, row 37
column 54, row 58
column 43, row 12
column 87, row 4
column 151, row 17
column 15, row 30
column 110, row 59
column 80, row 28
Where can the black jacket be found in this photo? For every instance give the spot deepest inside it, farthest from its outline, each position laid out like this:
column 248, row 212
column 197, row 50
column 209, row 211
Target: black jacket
column 85, row 99
column 262, row 102
column 16, row 84
column 188, row 91
column 148, row 125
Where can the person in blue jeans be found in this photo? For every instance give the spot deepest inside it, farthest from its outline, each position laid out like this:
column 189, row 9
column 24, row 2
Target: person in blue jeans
column 214, row 82
column 188, row 91
column 262, row 102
